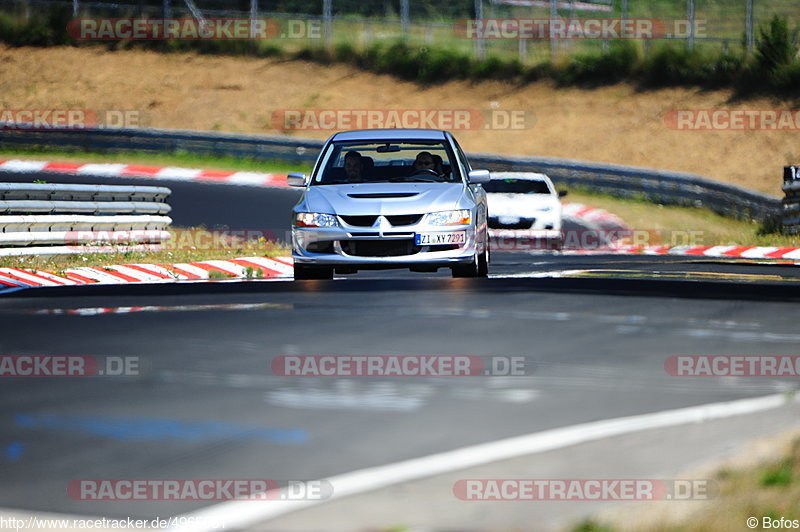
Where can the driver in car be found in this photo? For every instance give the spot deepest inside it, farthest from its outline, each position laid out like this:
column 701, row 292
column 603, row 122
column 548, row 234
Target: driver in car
column 354, row 167
column 424, row 161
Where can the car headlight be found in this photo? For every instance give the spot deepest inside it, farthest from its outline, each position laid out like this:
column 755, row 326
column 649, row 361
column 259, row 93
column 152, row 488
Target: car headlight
column 315, row 219
column 458, row 217
column 545, row 209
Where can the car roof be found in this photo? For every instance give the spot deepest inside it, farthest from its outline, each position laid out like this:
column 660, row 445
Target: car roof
column 520, row 176
column 389, row 134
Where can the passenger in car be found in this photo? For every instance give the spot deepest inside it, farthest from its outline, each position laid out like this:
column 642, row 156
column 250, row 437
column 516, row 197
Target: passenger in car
column 438, row 164
column 367, row 167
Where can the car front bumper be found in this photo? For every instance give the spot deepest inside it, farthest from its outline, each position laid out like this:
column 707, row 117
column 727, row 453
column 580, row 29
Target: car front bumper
column 369, row 248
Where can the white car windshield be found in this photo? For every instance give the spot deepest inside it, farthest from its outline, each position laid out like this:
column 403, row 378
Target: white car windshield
column 516, row 186
column 387, row 161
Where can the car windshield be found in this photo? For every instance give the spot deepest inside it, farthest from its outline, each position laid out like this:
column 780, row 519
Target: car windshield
column 386, row 162
column 516, row 186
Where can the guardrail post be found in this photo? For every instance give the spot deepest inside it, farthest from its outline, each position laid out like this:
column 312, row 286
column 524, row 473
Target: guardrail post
column 791, row 200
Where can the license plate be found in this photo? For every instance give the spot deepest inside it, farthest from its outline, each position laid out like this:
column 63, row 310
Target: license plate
column 432, row 239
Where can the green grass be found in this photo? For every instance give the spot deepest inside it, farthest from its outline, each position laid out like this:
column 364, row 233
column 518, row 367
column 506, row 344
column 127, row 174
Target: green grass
column 743, row 493
column 187, row 160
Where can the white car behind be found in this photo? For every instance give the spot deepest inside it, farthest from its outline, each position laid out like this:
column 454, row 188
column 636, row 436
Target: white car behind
column 527, row 204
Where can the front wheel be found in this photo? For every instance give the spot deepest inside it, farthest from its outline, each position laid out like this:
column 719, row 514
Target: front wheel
column 477, row 267
column 304, row 271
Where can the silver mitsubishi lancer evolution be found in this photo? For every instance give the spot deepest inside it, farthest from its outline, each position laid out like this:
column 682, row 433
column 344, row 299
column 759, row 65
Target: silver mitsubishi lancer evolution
column 390, row 198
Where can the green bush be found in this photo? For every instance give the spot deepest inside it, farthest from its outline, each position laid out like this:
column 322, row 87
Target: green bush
column 776, row 45
column 439, row 65
column 780, row 475
column 345, row 52
column 672, row 65
column 610, row 66
column 49, row 29
column 494, row 67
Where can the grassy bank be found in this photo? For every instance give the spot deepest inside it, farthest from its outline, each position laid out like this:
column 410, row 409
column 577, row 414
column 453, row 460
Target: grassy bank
column 769, row 490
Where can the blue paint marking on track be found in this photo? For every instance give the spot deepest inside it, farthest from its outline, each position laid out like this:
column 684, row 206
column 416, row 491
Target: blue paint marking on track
column 160, row 429
column 14, row 451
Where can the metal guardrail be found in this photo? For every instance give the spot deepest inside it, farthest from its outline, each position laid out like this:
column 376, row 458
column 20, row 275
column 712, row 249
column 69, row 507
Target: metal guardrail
column 110, row 214
column 676, row 188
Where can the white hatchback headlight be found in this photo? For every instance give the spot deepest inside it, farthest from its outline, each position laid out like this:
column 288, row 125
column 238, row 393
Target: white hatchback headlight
column 315, row 219
column 457, row 217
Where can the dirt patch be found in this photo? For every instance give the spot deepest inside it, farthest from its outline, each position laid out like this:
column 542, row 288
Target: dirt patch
column 613, row 124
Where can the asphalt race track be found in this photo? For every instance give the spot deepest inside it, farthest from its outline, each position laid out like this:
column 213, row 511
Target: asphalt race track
column 595, row 332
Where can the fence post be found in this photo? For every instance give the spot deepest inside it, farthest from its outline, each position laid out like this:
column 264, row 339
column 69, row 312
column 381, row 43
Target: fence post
column 479, row 49
column 748, row 25
column 166, row 12
column 553, row 17
column 690, row 16
column 75, row 8
column 327, row 21
column 253, row 17
column 624, row 9
column 404, row 18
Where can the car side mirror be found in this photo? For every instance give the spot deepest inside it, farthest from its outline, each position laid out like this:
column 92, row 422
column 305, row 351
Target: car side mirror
column 479, row 177
column 296, row 179
column 562, row 193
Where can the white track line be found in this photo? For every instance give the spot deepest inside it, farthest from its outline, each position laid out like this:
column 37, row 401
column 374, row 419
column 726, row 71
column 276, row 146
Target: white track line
column 242, row 514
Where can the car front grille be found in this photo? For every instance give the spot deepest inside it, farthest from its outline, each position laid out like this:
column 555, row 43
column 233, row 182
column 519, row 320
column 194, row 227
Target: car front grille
column 359, row 221
column 404, row 219
column 523, row 223
column 380, row 248
column 369, row 220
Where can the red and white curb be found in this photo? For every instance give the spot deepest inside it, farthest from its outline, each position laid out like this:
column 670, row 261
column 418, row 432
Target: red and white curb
column 721, row 252
column 241, row 268
column 172, row 173
column 600, row 218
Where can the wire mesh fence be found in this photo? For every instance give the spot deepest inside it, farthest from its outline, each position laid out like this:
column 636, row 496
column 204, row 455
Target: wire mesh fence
column 532, row 30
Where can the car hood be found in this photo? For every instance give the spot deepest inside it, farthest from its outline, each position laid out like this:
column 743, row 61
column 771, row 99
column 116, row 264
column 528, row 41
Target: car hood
column 521, row 205
column 385, row 198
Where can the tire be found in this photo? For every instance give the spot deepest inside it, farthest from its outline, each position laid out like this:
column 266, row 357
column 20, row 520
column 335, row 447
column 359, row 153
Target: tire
column 477, row 267
column 303, row 272
column 483, row 263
